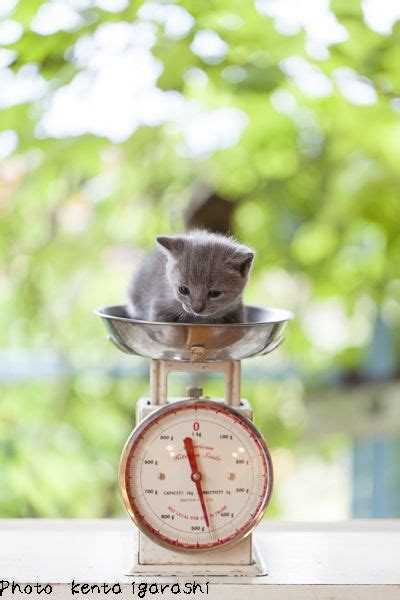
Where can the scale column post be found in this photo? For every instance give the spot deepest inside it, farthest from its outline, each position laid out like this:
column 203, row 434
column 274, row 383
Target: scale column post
column 160, row 370
column 154, row 381
column 232, row 383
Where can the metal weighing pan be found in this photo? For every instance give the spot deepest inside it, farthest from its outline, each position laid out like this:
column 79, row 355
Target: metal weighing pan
column 259, row 335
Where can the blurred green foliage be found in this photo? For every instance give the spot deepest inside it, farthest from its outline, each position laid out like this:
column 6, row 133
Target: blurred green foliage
column 314, row 177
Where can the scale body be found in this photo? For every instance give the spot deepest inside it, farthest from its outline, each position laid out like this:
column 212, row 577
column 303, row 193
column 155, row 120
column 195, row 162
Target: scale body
column 195, row 474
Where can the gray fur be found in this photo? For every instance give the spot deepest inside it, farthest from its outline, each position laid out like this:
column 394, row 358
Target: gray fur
column 201, row 261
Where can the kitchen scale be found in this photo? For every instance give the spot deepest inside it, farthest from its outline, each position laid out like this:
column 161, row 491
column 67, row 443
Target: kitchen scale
column 196, row 474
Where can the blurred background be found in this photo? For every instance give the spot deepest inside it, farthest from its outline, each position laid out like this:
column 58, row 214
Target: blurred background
column 276, row 120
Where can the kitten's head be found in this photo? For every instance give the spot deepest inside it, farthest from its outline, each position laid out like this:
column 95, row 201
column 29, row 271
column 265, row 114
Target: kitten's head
column 207, row 272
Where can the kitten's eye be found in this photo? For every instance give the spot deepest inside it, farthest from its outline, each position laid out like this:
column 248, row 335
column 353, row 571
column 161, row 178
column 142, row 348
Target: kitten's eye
column 214, row 293
column 182, row 289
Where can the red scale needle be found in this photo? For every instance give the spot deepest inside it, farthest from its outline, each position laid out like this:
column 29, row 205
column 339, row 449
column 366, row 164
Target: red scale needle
column 196, row 475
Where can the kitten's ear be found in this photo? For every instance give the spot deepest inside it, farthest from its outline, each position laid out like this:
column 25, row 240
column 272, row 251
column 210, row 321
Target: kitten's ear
column 243, row 262
column 172, row 245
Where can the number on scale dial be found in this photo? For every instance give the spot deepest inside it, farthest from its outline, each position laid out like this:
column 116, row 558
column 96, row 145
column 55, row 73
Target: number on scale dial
column 196, row 475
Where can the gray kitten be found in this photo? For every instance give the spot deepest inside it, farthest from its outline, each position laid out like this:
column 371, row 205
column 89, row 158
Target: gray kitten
column 197, row 277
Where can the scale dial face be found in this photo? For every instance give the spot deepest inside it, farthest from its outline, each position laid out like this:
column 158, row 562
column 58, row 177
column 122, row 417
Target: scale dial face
column 196, row 475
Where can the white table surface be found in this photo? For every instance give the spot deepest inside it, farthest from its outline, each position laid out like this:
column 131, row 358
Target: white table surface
column 357, row 559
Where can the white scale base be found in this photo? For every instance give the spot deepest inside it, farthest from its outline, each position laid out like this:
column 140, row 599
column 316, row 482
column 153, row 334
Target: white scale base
column 240, row 560
column 256, row 568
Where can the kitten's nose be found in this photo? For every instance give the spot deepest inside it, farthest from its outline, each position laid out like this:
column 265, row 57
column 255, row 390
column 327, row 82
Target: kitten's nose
column 198, row 307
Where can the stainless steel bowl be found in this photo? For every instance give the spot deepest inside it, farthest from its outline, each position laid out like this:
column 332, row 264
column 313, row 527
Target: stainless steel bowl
column 260, row 334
